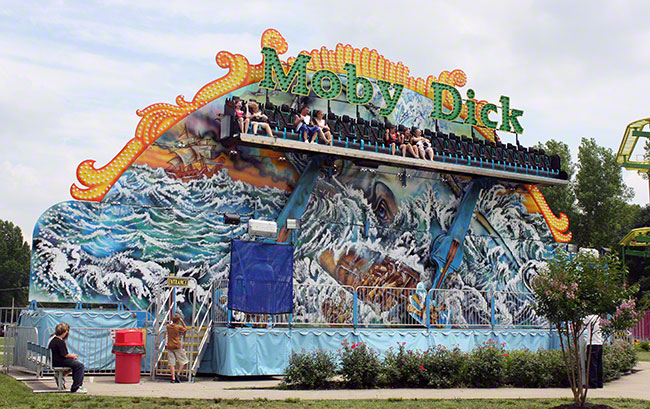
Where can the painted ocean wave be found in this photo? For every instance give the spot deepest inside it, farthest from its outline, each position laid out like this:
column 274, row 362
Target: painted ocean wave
column 118, row 250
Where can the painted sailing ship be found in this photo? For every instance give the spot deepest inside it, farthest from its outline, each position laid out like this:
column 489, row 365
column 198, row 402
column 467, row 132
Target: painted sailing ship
column 193, row 158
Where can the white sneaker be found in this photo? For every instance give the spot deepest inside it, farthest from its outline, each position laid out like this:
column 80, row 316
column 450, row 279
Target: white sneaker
column 81, row 391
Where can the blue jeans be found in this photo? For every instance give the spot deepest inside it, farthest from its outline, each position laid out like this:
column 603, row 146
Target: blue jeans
column 77, row 373
column 309, row 130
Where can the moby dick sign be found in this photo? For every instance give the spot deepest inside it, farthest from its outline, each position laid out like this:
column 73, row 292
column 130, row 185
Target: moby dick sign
column 327, row 85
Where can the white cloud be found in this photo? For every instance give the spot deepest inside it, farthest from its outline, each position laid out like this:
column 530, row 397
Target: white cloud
column 640, row 186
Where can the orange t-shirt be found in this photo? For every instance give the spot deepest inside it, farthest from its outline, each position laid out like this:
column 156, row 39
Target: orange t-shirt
column 174, row 334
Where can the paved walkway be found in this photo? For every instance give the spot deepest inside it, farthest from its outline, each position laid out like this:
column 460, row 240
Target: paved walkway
column 635, row 385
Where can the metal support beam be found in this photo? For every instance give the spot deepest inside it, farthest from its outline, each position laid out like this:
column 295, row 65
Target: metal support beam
column 636, row 253
column 297, row 203
column 447, row 248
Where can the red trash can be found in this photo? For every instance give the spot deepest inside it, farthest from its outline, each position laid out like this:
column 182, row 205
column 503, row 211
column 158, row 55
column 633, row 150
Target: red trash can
column 128, row 349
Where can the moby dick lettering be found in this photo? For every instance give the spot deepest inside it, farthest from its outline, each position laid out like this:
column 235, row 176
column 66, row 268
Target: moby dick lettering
column 509, row 117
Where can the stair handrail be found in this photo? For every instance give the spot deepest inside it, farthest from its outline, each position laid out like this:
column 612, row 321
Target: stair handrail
column 202, row 318
column 206, row 322
column 163, row 298
column 200, row 311
column 160, row 320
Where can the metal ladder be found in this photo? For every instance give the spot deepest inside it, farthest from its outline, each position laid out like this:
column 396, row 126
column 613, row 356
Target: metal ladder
column 195, row 340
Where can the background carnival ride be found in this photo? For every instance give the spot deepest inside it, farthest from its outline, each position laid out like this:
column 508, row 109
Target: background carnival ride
column 366, row 235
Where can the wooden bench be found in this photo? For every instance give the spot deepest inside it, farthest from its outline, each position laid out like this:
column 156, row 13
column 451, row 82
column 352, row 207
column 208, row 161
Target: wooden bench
column 42, row 357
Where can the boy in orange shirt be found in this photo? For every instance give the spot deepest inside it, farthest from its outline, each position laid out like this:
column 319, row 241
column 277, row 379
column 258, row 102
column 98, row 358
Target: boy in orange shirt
column 175, row 353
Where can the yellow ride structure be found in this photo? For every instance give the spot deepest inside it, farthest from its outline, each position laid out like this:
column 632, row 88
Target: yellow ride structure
column 636, row 242
column 634, row 131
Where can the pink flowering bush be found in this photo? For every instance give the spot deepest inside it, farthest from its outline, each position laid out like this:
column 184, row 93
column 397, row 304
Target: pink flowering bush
column 402, row 368
column 535, row 369
column 573, row 287
column 310, row 370
column 485, row 366
column 618, row 358
column 359, row 365
column 442, row 367
column 626, row 316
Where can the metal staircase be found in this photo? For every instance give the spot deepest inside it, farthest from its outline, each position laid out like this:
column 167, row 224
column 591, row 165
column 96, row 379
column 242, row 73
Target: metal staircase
column 195, row 340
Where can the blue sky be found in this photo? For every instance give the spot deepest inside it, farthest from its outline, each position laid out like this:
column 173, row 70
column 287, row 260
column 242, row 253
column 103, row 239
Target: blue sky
column 72, row 74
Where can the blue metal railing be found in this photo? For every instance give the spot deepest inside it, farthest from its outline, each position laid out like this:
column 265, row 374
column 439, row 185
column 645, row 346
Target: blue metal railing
column 380, row 307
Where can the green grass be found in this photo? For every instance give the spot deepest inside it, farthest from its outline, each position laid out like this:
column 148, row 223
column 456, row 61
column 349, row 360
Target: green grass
column 643, row 355
column 14, row 394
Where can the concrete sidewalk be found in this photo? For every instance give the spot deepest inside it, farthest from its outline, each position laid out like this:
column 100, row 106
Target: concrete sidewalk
column 635, row 385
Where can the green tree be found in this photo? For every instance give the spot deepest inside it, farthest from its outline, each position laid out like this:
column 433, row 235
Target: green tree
column 560, row 198
column 604, row 215
column 572, row 287
column 14, row 264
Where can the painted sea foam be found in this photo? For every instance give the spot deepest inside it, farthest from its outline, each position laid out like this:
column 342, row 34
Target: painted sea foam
column 118, row 250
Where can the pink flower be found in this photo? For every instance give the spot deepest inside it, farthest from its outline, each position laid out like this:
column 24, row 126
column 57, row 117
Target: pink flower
column 506, row 355
column 354, row 346
column 421, row 368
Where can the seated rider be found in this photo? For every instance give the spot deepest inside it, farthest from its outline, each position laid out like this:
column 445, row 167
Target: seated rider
column 393, row 138
column 242, row 118
column 324, row 130
column 423, row 144
column 303, row 125
column 61, row 357
column 257, row 118
column 408, row 145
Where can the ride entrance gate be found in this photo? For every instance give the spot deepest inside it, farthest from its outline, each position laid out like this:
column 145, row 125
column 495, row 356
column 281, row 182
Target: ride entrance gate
column 177, row 294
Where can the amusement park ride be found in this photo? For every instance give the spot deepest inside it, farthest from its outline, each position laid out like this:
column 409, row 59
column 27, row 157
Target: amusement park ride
column 636, row 238
column 379, row 239
column 362, row 142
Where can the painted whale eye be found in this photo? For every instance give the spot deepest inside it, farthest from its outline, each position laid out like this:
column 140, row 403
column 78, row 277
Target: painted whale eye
column 383, row 203
column 382, row 211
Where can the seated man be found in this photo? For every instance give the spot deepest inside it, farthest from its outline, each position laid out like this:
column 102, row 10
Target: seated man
column 303, row 125
column 61, row 357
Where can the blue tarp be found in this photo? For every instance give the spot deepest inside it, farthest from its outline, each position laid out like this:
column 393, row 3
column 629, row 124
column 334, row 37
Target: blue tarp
column 91, row 335
column 261, row 278
column 245, row 352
